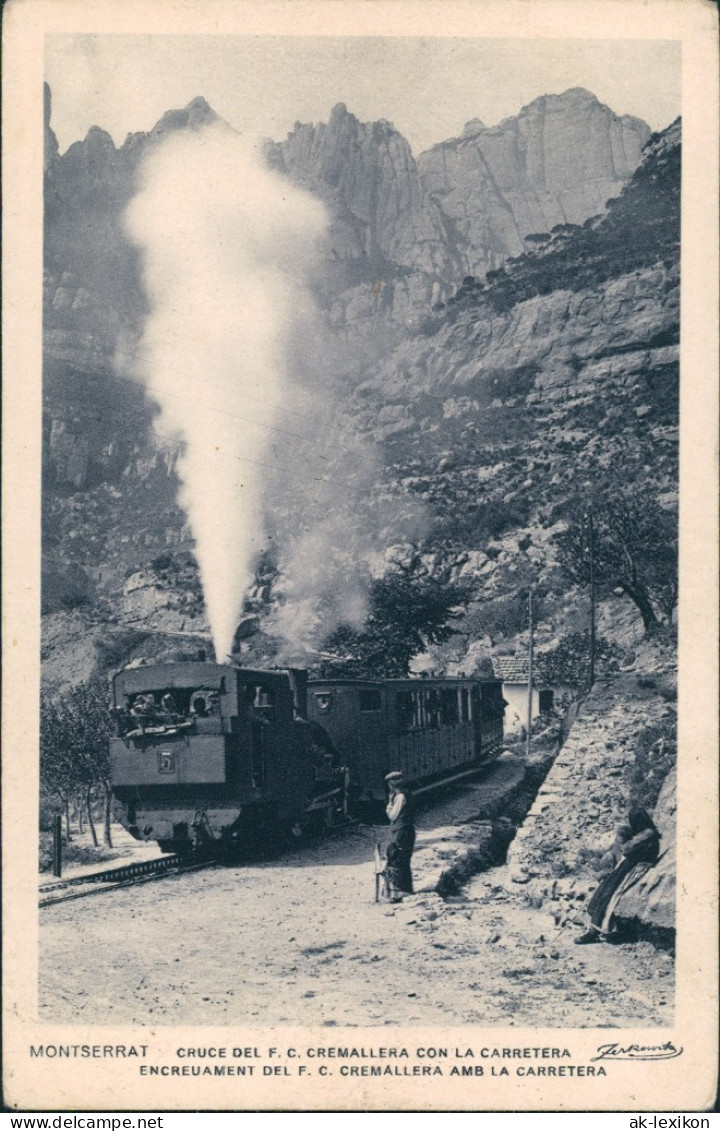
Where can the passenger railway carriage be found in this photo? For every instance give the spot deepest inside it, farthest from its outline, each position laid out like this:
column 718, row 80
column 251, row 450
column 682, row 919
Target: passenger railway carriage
column 218, row 756
column 427, row 728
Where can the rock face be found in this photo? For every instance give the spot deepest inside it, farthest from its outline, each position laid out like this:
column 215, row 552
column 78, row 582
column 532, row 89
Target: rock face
column 558, row 376
column 652, row 900
column 403, row 233
column 558, row 161
column 50, row 141
column 92, row 290
column 366, row 173
column 465, row 205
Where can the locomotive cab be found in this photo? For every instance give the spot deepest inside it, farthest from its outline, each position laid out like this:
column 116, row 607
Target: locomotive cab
column 209, row 754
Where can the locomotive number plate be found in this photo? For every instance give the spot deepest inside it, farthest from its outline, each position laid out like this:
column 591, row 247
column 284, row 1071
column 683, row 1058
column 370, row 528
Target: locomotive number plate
column 166, row 762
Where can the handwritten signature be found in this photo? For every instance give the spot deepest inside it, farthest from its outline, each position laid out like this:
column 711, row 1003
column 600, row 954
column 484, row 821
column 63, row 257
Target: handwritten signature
column 615, row 1051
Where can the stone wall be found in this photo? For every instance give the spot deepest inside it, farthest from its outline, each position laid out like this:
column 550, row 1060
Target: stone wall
column 557, row 856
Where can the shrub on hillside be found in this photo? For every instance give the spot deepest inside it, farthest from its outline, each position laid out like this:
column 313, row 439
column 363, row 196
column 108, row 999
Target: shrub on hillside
column 568, row 664
column 115, row 649
column 74, row 749
column 634, row 548
column 65, row 588
column 655, row 755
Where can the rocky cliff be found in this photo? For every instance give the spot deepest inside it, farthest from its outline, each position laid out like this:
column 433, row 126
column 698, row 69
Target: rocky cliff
column 402, row 232
column 519, row 396
column 405, row 231
column 381, row 216
column 558, row 161
column 498, row 400
column 92, row 292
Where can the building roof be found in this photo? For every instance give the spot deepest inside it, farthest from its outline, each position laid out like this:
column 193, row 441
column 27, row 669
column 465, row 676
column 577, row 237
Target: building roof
column 514, row 669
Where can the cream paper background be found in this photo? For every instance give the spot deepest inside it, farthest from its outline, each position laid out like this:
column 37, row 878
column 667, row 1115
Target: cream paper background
column 685, row 1083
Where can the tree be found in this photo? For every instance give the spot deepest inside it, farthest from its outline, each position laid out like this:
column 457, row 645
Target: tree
column 568, row 663
column 57, row 776
column 409, row 609
column 74, row 748
column 634, row 549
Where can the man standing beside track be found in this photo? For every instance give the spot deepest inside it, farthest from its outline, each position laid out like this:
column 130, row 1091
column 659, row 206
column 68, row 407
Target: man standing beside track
column 402, row 836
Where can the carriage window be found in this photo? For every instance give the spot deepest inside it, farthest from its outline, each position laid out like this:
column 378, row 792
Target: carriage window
column 370, row 701
column 464, row 705
column 323, row 700
column 432, row 709
column 448, row 708
column 410, row 710
column 264, row 697
column 418, row 718
column 404, row 710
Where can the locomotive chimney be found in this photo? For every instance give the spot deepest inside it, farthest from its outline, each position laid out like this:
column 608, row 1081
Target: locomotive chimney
column 298, row 684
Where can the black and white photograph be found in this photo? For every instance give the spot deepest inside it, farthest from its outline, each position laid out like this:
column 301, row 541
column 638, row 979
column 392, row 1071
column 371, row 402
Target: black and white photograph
column 369, row 467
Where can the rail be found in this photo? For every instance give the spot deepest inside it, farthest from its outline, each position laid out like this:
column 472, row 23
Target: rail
column 94, row 883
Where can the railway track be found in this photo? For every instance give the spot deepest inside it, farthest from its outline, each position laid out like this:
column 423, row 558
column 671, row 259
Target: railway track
column 94, row 883
column 110, row 879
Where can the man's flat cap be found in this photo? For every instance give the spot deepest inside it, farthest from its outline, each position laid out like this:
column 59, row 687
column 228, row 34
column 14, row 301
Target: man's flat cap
column 396, row 775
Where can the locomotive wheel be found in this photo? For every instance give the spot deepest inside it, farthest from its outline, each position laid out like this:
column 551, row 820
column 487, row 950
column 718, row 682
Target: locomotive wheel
column 255, row 834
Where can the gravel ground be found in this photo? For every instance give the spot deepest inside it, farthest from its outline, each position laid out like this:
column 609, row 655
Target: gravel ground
column 300, row 940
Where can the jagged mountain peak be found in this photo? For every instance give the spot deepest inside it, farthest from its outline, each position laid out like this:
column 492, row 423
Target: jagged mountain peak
column 578, row 100
column 343, row 119
column 555, row 162
column 574, row 98
column 366, row 173
column 403, row 232
column 573, row 94
column 340, row 110
column 199, row 105
column 474, row 126
column 196, row 114
column 51, row 142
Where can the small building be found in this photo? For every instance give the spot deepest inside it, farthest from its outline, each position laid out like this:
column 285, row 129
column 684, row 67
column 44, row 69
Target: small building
column 513, row 671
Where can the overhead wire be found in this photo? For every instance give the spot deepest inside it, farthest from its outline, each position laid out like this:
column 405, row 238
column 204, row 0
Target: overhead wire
column 180, row 442
column 221, row 411
column 245, row 459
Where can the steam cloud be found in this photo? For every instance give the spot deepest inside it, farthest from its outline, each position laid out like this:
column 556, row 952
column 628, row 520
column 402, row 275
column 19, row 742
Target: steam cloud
column 228, row 248
column 333, row 532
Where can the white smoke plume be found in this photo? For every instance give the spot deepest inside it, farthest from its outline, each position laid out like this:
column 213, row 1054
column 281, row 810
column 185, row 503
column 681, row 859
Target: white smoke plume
column 228, row 247
column 332, row 530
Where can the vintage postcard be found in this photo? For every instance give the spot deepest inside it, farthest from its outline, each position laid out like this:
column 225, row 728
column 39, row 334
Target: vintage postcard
column 360, row 556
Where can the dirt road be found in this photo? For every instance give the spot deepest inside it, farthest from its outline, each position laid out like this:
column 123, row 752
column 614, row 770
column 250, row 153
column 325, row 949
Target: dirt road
column 300, row 940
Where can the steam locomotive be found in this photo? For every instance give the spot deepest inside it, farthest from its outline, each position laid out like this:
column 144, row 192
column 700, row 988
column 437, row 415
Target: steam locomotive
column 218, row 757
